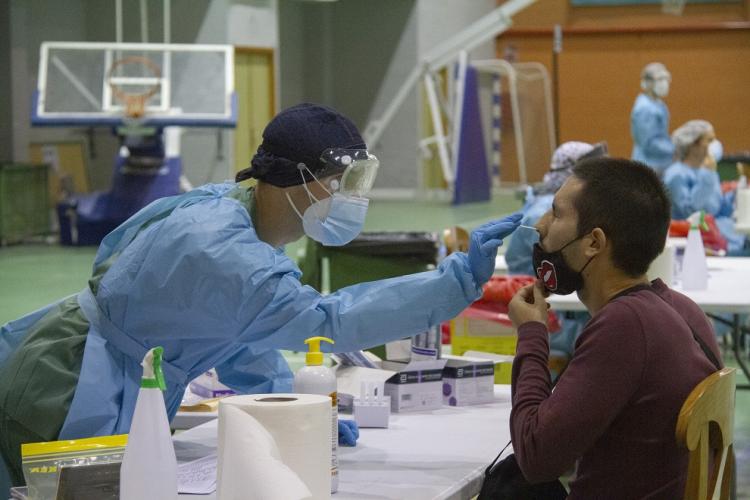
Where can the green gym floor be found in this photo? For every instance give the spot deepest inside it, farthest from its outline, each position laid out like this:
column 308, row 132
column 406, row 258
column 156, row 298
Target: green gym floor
column 33, row 275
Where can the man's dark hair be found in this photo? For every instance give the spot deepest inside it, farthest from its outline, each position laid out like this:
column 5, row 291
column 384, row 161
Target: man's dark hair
column 627, row 201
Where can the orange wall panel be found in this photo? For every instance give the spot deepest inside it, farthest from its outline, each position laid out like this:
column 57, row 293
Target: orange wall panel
column 605, row 48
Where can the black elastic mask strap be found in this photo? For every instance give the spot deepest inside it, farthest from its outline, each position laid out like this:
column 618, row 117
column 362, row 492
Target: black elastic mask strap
column 568, row 244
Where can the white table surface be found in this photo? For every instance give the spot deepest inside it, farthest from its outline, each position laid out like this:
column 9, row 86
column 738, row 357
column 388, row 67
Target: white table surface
column 439, row 454
column 728, row 287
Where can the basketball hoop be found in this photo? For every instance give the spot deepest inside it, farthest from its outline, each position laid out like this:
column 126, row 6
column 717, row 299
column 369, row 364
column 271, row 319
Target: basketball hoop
column 135, row 102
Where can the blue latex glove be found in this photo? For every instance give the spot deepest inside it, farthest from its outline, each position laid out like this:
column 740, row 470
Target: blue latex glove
column 485, row 241
column 348, row 433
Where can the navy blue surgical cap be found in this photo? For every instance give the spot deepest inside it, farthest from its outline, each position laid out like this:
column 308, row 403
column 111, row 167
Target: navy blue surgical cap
column 297, row 135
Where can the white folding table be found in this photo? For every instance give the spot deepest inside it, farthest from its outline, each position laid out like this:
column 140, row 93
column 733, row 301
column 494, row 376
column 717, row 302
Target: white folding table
column 728, row 292
column 439, row 454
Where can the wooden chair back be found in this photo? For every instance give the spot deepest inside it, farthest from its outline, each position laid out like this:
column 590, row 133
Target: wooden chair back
column 705, row 426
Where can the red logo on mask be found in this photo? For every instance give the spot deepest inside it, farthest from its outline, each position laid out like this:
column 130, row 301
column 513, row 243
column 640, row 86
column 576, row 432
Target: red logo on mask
column 546, row 273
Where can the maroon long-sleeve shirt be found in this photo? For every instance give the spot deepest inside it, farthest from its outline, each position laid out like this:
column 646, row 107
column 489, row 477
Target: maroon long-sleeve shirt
column 614, row 410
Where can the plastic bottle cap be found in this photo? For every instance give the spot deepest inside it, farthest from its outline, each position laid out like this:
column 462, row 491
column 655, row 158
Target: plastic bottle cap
column 153, row 376
column 314, row 357
column 698, row 221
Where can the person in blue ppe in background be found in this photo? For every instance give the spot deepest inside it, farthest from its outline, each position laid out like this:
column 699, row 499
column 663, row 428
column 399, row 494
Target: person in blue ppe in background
column 649, row 119
column 204, row 275
column 694, row 185
column 538, row 202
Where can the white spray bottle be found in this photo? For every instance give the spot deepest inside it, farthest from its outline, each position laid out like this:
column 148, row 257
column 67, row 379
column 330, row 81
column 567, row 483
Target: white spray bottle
column 149, row 467
column 318, row 379
column 694, row 266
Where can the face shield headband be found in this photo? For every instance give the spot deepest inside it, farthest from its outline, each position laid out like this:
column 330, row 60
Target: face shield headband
column 357, row 166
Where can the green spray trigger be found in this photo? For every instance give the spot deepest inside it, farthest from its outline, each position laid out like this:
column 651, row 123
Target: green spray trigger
column 698, row 221
column 153, row 375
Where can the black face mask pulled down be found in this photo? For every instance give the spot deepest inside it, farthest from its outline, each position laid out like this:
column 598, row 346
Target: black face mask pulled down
column 556, row 275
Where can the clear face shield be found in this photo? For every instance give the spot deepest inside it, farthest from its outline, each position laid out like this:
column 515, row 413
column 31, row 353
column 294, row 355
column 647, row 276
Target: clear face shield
column 338, row 219
column 359, row 169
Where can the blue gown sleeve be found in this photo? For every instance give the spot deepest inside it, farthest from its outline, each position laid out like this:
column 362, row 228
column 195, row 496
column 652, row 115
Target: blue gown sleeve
column 201, row 284
column 727, row 204
column 688, row 197
column 520, row 249
column 650, row 133
column 248, row 372
column 363, row 315
column 518, row 256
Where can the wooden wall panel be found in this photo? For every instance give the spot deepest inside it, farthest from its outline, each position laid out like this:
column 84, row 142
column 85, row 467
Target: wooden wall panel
column 604, row 50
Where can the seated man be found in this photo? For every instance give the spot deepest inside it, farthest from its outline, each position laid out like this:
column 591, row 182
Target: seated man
column 538, row 202
column 694, row 184
column 614, row 410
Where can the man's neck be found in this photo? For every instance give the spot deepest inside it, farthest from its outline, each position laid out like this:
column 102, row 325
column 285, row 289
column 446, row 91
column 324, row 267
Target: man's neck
column 599, row 292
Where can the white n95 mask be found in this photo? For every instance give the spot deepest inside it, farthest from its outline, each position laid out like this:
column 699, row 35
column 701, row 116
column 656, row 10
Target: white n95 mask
column 661, row 87
column 716, row 150
column 342, row 222
column 333, row 221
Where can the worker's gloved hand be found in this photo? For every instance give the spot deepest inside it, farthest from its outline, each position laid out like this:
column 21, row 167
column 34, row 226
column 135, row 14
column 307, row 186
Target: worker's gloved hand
column 484, row 243
column 348, row 433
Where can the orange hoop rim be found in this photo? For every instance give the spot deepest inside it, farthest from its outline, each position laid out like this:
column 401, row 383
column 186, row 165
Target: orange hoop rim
column 135, row 102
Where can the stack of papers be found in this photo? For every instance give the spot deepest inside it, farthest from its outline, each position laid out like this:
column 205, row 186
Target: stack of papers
column 197, row 477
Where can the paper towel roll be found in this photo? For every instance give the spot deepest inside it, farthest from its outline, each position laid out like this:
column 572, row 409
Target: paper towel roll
column 663, row 266
column 274, row 447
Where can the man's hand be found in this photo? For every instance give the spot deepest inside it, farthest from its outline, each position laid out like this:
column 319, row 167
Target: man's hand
column 528, row 304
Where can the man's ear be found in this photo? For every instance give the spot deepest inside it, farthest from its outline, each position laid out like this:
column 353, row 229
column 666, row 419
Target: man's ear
column 597, row 243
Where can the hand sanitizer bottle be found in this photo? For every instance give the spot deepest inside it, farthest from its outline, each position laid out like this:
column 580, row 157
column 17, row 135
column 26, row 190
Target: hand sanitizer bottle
column 318, row 379
column 149, row 467
column 694, row 266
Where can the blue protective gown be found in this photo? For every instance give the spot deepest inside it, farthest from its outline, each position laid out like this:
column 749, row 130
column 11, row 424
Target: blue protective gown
column 649, row 127
column 695, row 189
column 189, row 273
column 518, row 256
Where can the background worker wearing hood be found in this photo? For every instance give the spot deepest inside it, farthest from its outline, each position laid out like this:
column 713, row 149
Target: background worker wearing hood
column 204, row 275
column 694, row 184
column 649, row 119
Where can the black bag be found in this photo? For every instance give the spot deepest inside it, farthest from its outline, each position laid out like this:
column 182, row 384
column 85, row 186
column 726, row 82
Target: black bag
column 504, row 480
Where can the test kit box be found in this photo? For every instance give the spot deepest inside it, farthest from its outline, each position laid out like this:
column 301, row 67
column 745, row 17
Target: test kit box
column 468, row 381
column 207, row 386
column 416, row 385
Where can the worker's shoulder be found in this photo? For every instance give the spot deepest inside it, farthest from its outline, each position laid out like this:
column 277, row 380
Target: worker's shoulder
column 645, row 105
column 210, row 218
column 214, row 204
column 676, row 171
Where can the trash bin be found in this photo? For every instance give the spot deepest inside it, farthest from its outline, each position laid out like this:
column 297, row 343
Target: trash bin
column 369, row 257
column 24, row 202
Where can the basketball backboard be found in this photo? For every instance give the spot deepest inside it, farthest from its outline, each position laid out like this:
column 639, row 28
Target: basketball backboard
column 110, row 84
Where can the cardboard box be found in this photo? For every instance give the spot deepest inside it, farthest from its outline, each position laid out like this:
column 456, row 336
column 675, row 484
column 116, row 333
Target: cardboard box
column 468, row 381
column 417, row 385
column 474, row 334
column 503, row 364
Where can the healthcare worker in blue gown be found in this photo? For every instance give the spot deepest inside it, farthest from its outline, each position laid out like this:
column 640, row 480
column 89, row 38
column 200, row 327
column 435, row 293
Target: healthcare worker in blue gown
column 204, row 275
column 518, row 255
column 649, row 120
column 694, row 185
